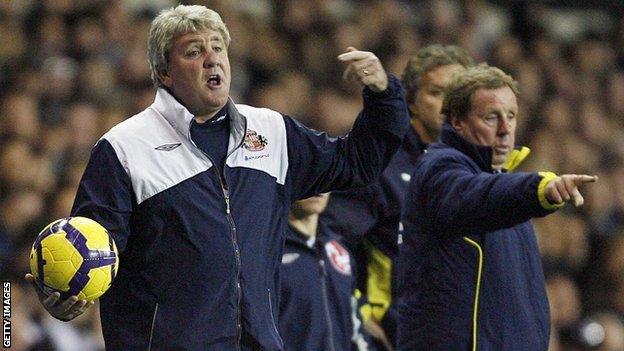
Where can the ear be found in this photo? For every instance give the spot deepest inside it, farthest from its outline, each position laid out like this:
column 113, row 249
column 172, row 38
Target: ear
column 456, row 123
column 412, row 109
column 165, row 78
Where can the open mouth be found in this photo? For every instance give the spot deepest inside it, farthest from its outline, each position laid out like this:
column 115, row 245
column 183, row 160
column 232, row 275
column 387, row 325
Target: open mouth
column 214, row 80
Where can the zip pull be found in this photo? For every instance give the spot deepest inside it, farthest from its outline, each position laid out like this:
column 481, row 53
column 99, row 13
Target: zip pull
column 322, row 264
column 227, row 201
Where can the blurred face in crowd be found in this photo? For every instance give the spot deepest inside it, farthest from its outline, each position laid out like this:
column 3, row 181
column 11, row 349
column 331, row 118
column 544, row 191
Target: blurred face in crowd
column 311, row 206
column 491, row 121
column 199, row 72
column 427, row 103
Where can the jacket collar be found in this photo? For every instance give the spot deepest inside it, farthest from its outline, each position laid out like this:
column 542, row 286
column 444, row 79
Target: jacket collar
column 180, row 118
column 323, row 235
column 481, row 155
column 413, row 143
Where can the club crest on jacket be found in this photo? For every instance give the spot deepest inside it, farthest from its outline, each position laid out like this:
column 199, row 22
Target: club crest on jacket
column 254, row 141
column 339, row 257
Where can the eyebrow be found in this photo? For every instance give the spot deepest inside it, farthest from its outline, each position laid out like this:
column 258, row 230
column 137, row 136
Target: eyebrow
column 498, row 112
column 201, row 41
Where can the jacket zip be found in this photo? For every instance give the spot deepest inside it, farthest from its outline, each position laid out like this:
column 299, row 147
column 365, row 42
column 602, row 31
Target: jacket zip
column 326, row 304
column 237, row 255
column 226, row 197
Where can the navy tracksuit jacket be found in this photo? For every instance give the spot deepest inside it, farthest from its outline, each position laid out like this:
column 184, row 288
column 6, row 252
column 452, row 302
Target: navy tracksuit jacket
column 317, row 305
column 200, row 250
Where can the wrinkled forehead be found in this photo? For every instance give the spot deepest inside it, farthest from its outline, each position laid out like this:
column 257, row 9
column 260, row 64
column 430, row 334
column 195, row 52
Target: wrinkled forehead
column 201, row 35
column 493, row 98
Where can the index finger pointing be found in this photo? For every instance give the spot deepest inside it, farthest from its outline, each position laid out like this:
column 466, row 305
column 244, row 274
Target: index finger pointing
column 582, row 179
column 353, row 55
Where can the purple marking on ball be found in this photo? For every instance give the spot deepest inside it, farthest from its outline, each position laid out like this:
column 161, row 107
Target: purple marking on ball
column 54, row 227
column 90, row 259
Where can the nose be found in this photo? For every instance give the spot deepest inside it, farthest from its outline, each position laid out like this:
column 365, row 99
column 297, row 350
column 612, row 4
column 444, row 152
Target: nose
column 504, row 126
column 211, row 59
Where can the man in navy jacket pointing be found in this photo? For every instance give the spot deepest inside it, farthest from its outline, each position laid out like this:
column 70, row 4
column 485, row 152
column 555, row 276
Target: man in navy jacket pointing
column 196, row 189
column 471, row 275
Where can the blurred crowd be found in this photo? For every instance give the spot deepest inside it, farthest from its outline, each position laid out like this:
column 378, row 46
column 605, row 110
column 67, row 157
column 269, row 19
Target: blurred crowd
column 71, row 69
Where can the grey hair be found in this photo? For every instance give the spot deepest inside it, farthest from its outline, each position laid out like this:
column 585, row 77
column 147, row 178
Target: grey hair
column 178, row 20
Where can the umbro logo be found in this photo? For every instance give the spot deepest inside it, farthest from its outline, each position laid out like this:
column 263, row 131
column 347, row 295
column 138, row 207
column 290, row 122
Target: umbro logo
column 167, row 147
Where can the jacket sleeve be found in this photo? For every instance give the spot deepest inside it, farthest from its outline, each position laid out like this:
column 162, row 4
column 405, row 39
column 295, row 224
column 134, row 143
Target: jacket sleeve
column 105, row 193
column 453, row 198
column 318, row 163
column 353, row 213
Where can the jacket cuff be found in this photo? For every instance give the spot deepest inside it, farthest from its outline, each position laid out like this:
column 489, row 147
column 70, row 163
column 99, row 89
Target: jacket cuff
column 547, row 177
column 394, row 88
column 386, row 111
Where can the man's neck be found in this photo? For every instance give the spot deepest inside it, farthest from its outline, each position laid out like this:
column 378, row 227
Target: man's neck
column 306, row 225
column 202, row 117
column 211, row 116
column 422, row 132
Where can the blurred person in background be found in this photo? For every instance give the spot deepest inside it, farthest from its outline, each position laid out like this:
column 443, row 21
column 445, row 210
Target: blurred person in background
column 599, row 331
column 196, row 189
column 613, row 326
column 470, row 271
column 369, row 217
column 565, row 305
column 569, row 249
column 318, row 310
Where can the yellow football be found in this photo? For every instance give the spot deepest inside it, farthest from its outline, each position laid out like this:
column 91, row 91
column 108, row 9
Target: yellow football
column 74, row 256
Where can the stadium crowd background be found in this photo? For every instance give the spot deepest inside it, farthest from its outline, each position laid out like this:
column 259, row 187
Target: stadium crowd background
column 71, row 69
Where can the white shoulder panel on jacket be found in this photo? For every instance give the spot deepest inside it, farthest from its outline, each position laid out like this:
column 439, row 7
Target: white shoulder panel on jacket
column 265, row 147
column 155, row 155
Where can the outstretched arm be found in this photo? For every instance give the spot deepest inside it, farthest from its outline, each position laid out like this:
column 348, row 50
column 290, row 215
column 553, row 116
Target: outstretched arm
column 318, row 163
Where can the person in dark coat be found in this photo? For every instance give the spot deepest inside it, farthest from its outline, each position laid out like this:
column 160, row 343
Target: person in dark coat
column 471, row 276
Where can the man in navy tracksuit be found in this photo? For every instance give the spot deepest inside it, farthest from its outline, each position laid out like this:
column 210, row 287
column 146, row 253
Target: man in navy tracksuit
column 318, row 310
column 370, row 217
column 196, row 190
column 471, row 276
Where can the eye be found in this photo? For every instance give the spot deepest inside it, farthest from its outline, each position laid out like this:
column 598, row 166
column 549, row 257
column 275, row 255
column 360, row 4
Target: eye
column 193, row 53
column 217, row 48
column 435, row 92
column 491, row 118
